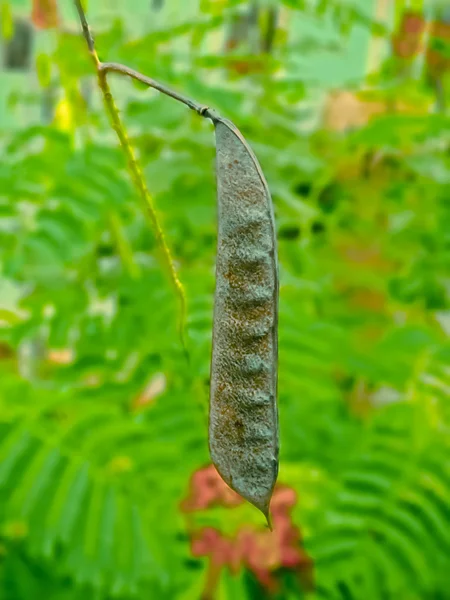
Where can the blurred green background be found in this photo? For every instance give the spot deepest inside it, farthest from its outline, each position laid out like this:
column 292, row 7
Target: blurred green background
column 106, row 487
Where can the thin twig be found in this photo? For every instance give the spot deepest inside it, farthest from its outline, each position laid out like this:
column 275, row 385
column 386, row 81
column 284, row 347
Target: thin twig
column 86, row 31
column 110, row 67
column 135, row 169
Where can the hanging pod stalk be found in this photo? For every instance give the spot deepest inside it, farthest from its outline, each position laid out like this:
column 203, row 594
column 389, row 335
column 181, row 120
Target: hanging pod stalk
column 243, row 422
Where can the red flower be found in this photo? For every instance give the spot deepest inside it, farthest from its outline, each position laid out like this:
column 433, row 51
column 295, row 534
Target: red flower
column 261, row 551
column 209, row 489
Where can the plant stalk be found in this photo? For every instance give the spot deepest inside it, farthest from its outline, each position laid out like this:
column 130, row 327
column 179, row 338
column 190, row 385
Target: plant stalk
column 134, row 167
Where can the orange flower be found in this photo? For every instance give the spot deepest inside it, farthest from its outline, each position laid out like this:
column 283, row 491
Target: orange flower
column 437, row 59
column 45, row 14
column 408, row 41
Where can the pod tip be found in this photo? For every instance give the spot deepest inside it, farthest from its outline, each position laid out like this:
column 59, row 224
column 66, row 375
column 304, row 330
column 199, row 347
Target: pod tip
column 266, row 513
column 264, row 507
column 268, row 518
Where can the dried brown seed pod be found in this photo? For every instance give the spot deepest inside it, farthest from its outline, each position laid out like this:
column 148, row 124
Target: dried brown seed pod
column 243, row 427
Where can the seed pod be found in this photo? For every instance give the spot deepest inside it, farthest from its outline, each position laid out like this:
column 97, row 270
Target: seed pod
column 243, row 423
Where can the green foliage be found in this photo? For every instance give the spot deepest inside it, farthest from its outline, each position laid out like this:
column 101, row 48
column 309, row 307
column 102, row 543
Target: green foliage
column 384, row 532
column 103, row 422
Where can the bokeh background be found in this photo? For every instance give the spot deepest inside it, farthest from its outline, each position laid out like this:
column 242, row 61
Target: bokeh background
column 106, row 487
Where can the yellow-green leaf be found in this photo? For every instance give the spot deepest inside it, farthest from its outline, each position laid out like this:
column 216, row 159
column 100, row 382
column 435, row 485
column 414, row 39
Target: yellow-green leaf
column 6, row 19
column 44, row 70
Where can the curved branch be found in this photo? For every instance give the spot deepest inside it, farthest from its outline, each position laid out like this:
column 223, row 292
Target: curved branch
column 110, row 67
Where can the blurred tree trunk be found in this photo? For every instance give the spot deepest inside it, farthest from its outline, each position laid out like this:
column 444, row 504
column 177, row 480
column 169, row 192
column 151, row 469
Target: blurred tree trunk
column 17, row 50
column 157, row 5
column 271, row 30
column 253, row 32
